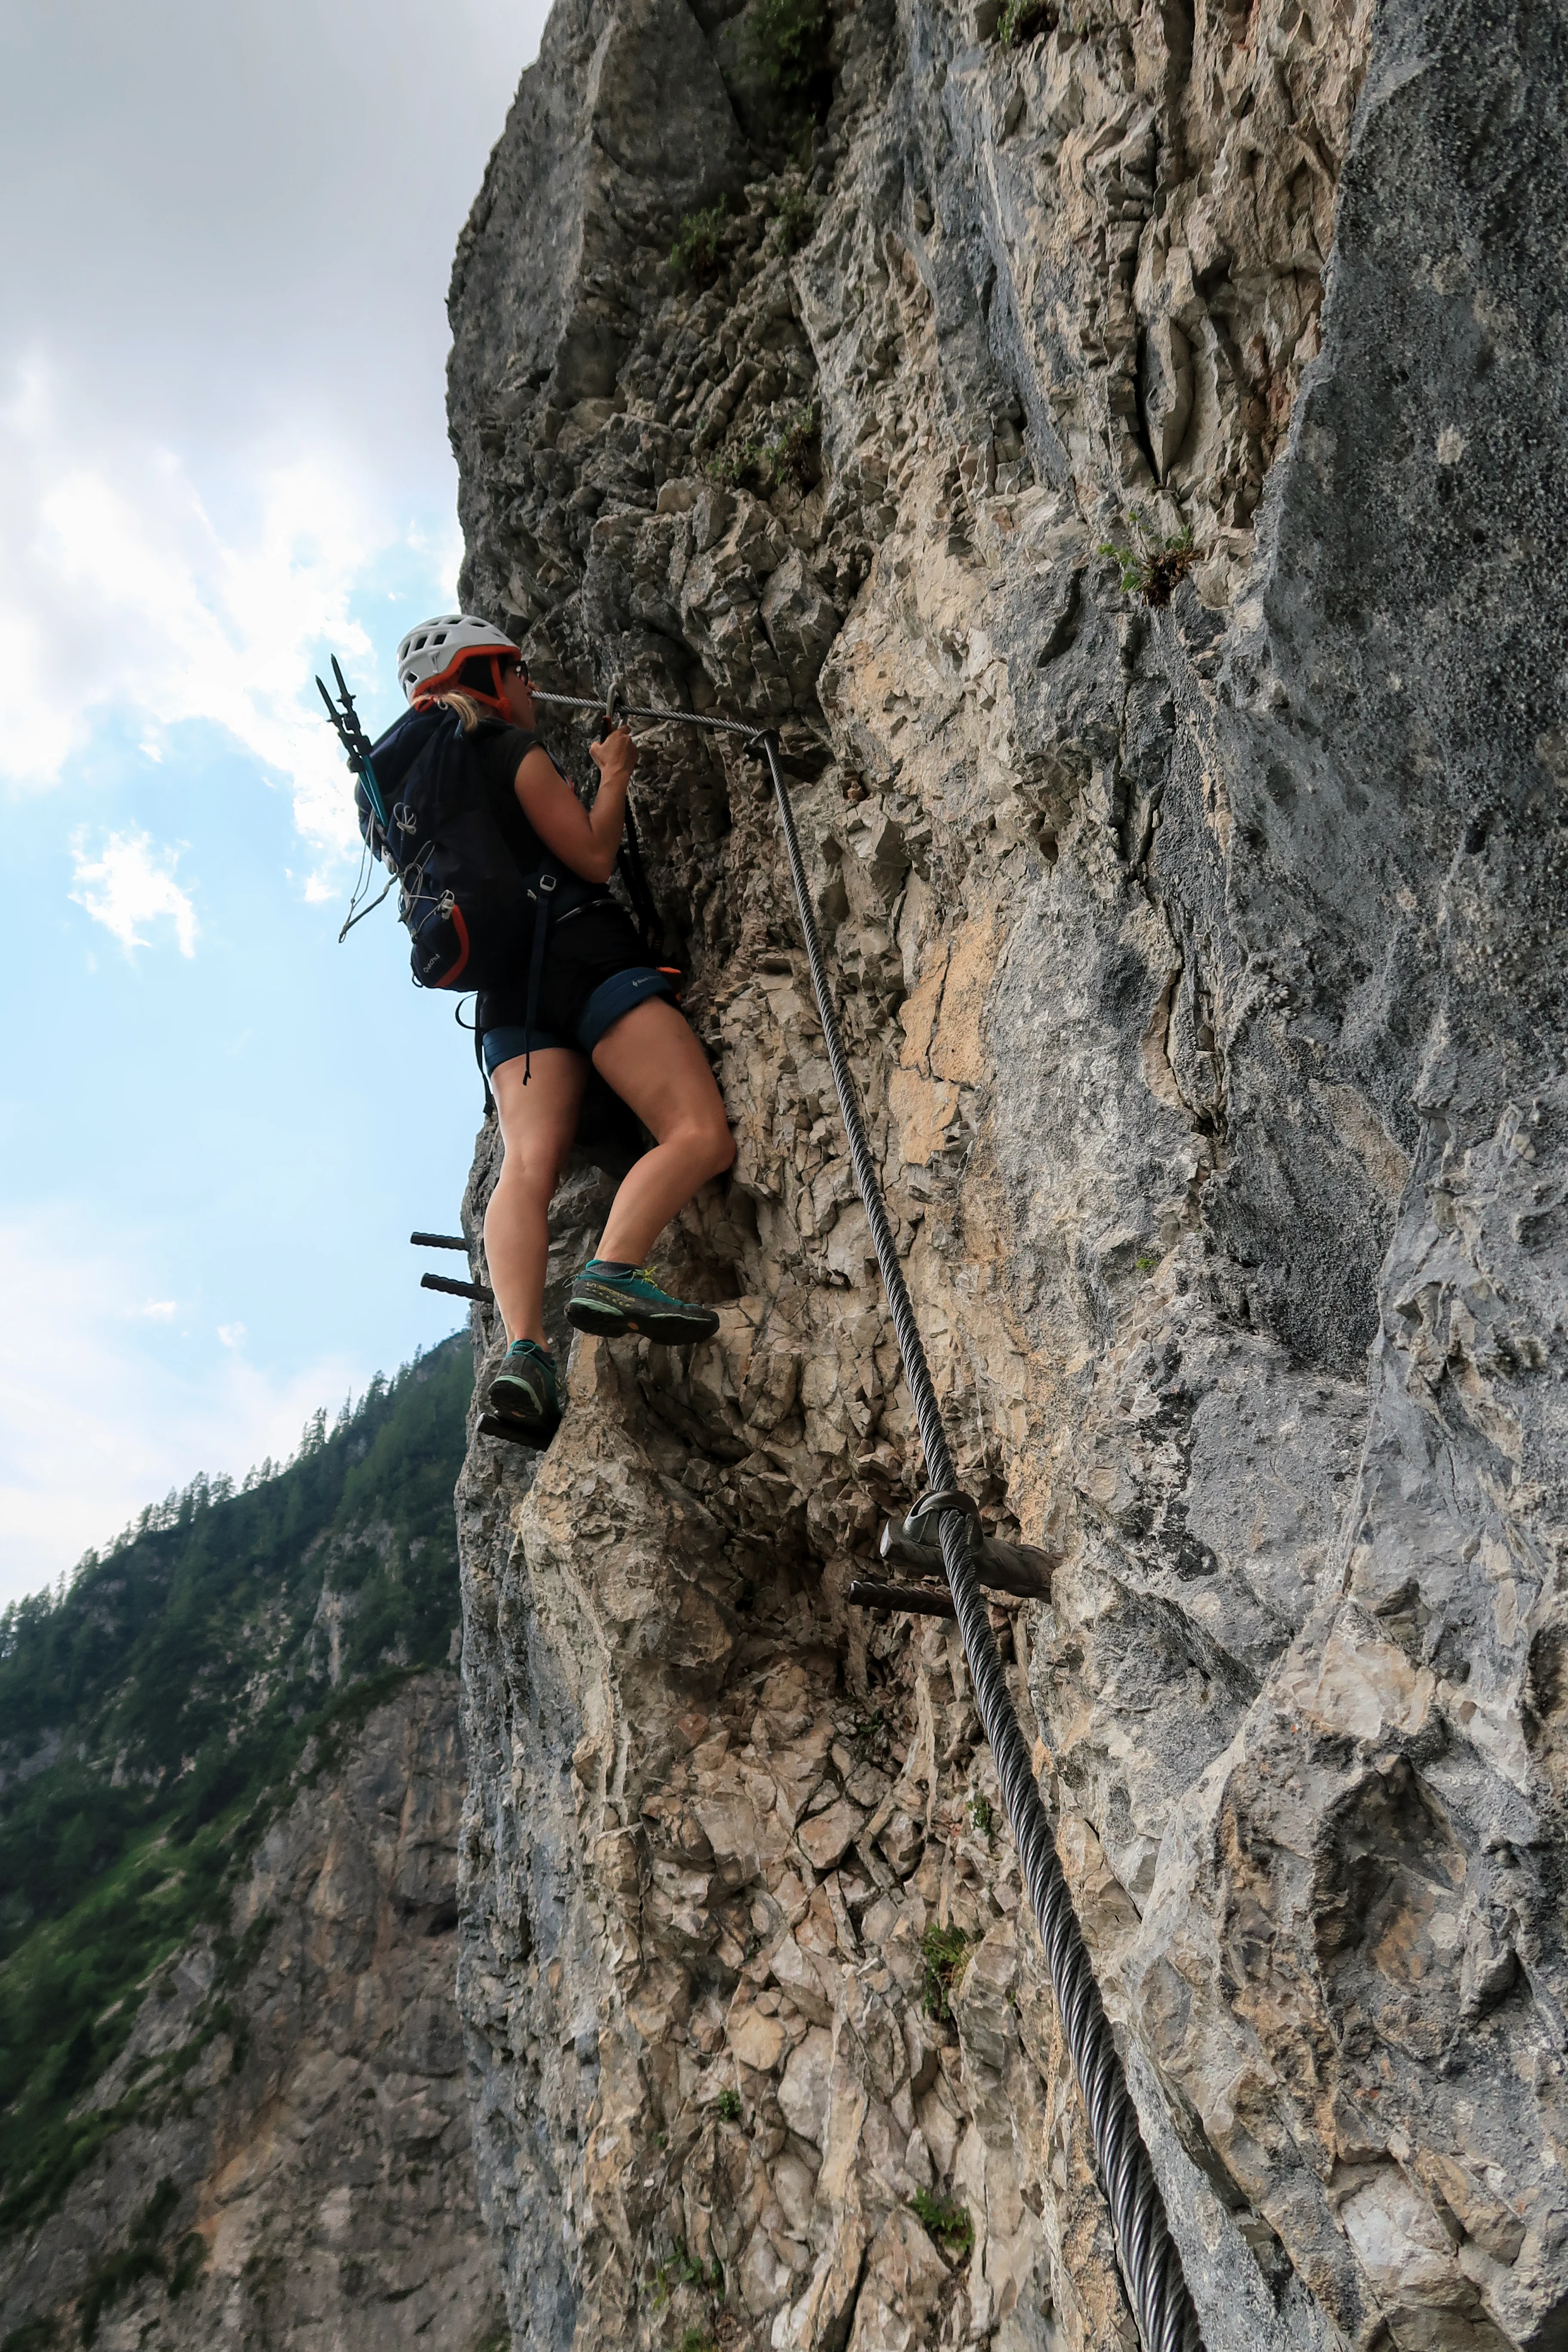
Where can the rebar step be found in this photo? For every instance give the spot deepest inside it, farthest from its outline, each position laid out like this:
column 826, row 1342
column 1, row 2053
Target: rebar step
column 475, row 1290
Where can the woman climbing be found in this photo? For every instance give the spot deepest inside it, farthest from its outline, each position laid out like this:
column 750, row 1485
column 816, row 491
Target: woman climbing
column 597, row 999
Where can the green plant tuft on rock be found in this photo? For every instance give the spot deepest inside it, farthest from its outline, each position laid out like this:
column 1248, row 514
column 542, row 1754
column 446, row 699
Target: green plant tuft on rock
column 696, row 252
column 1020, row 20
column 949, row 2226
column 1155, row 566
column 735, row 466
column 729, row 2106
column 944, row 1952
column 790, row 457
column 789, row 42
column 766, row 466
column 685, row 2269
column 981, row 1814
column 868, row 1731
column 795, row 218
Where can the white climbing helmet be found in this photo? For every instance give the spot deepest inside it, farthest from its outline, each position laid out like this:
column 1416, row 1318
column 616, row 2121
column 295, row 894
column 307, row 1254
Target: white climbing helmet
column 429, row 655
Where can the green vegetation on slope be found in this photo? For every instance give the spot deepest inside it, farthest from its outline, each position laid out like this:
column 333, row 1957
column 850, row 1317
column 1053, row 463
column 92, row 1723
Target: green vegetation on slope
column 157, row 1708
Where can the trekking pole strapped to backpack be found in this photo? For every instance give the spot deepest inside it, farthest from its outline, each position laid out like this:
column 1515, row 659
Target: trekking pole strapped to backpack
column 357, row 745
column 355, row 739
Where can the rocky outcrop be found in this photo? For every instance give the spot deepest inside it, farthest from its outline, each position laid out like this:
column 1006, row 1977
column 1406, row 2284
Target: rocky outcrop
column 302, row 2171
column 1198, row 911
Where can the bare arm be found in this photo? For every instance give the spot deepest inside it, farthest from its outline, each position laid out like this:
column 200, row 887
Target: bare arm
column 584, row 839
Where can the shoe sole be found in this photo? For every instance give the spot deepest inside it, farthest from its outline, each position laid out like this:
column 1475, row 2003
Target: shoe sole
column 518, row 1432
column 615, row 1322
column 500, row 1403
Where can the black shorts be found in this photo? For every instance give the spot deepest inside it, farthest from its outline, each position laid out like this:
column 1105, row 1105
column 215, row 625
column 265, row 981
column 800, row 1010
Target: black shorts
column 595, row 970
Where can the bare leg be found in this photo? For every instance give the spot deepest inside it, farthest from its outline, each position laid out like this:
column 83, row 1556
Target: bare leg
column 655, row 1066
column 537, row 1123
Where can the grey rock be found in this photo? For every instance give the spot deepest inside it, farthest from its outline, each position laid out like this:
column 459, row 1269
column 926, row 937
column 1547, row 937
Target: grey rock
column 1201, row 965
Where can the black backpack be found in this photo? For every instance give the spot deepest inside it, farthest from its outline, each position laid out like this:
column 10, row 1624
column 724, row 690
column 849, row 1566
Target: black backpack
column 425, row 807
column 472, row 914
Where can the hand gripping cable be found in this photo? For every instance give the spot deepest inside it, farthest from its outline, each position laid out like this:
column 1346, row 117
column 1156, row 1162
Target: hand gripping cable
column 1151, row 2264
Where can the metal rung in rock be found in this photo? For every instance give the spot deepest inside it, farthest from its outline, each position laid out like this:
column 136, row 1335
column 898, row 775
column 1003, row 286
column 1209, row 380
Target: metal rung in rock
column 1020, row 1568
column 439, row 1241
column 916, row 1599
column 475, row 1290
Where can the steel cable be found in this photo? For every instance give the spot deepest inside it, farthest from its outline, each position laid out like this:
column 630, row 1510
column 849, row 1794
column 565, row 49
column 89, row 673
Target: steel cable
column 1151, row 2264
column 748, row 727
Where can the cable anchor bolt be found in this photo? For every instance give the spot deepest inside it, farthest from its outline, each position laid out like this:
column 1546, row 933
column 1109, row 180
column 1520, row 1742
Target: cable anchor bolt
column 931, row 1507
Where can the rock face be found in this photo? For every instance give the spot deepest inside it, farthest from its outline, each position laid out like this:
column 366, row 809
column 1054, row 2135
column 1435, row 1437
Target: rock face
column 1199, row 917
column 309, row 2180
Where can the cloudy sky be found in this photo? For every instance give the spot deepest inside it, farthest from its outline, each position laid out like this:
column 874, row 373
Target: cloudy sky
column 222, row 455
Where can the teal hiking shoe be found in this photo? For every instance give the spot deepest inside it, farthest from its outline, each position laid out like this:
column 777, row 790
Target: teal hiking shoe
column 523, row 1391
column 613, row 1299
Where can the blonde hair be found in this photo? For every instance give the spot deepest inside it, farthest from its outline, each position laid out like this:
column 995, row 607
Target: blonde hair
column 470, row 712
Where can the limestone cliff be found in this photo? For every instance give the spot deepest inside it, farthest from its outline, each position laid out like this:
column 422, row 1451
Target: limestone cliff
column 1198, row 913
column 301, row 2172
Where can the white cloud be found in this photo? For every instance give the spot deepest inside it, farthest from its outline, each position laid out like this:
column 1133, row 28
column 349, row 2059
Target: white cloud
column 231, row 1334
column 130, row 884
column 159, row 1310
column 120, row 597
column 92, row 1428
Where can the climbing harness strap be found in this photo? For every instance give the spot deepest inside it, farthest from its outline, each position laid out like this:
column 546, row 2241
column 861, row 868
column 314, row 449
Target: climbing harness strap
column 544, row 890
column 645, row 918
column 1150, row 2261
column 543, row 896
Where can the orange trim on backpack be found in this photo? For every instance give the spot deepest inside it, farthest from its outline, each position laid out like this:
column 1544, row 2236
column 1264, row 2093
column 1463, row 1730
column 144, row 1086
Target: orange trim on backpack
column 462, row 931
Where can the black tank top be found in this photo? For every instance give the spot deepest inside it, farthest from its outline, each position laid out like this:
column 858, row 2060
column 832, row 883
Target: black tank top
column 592, row 946
column 501, row 752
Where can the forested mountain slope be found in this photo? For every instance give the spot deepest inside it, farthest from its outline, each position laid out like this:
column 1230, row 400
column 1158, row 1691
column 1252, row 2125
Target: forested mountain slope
column 243, row 1686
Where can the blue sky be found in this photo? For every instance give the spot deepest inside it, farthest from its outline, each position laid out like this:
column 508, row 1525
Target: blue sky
column 222, row 455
